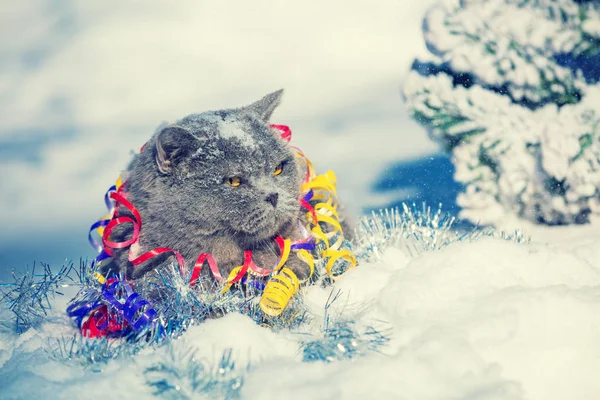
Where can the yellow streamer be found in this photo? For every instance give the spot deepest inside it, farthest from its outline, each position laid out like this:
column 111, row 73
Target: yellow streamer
column 326, row 182
column 328, row 209
column 309, row 259
column 318, row 233
column 98, row 276
column 281, row 287
column 330, row 220
column 232, row 275
column 278, row 292
column 335, row 255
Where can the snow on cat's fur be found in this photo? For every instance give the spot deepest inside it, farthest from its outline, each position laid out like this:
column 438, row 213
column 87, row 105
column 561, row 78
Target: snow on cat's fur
column 185, row 186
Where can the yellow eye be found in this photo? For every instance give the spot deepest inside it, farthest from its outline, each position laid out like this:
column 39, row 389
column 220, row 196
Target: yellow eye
column 278, row 170
column 233, row 181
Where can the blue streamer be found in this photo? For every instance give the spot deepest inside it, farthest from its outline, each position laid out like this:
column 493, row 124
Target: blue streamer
column 81, row 309
column 310, row 246
column 308, row 196
column 253, row 283
column 95, row 244
column 133, row 305
column 110, row 206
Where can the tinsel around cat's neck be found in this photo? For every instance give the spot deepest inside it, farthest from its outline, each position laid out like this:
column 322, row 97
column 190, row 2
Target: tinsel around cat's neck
column 120, row 308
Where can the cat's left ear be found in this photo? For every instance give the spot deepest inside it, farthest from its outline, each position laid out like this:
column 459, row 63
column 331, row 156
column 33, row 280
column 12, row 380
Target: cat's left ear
column 173, row 144
column 265, row 107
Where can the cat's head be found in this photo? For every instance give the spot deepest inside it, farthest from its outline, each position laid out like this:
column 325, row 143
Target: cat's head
column 229, row 170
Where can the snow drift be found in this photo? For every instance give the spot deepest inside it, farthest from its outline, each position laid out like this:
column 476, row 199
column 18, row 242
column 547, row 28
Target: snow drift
column 425, row 316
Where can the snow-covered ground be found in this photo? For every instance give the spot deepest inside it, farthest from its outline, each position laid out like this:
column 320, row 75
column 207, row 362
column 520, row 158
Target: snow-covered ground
column 488, row 319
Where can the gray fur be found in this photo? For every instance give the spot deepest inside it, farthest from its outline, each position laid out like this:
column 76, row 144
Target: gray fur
column 178, row 185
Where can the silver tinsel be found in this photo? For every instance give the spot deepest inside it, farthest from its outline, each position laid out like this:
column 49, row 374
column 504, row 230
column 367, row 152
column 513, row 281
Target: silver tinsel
column 182, row 306
column 89, row 352
column 178, row 305
column 416, row 231
column 182, row 375
column 29, row 297
column 341, row 338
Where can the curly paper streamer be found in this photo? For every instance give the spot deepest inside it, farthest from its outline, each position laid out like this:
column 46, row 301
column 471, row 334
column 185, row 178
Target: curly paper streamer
column 138, row 313
column 305, row 256
column 205, row 257
column 92, row 317
column 79, row 310
column 278, row 292
column 101, row 323
column 101, row 224
column 323, row 215
column 113, row 311
column 334, row 255
column 284, row 131
column 237, row 273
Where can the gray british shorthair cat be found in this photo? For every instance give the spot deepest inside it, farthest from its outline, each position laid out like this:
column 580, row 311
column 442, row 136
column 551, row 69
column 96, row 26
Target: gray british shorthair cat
column 218, row 182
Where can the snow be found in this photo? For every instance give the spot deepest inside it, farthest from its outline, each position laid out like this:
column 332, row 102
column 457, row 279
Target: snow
column 250, row 343
column 488, row 319
column 538, row 160
column 230, row 129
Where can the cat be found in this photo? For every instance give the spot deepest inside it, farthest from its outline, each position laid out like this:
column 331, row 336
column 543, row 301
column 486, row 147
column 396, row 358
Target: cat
column 218, row 182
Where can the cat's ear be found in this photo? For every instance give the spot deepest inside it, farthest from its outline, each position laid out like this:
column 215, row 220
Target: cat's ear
column 173, row 144
column 265, row 107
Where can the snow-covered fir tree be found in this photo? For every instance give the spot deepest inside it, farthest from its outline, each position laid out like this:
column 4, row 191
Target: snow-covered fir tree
column 512, row 89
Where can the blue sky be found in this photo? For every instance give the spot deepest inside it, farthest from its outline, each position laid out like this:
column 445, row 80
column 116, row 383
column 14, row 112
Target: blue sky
column 85, row 83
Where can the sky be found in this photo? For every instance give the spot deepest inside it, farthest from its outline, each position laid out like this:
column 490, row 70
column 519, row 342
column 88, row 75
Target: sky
column 83, row 84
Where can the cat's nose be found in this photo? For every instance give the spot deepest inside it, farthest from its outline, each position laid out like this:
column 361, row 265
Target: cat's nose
column 272, row 198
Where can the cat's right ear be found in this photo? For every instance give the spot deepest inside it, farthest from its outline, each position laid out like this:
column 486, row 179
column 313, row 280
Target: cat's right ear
column 173, row 144
column 265, row 107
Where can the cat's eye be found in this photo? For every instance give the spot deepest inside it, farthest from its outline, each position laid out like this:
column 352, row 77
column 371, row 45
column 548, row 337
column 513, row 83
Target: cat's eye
column 278, row 169
column 234, row 181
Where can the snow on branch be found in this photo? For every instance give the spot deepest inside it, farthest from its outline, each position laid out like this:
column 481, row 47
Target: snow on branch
column 511, row 89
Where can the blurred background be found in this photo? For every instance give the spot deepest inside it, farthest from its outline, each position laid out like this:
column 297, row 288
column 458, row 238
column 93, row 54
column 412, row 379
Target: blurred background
column 83, row 84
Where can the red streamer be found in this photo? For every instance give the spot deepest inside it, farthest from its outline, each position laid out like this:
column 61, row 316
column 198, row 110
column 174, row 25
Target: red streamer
column 284, row 131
